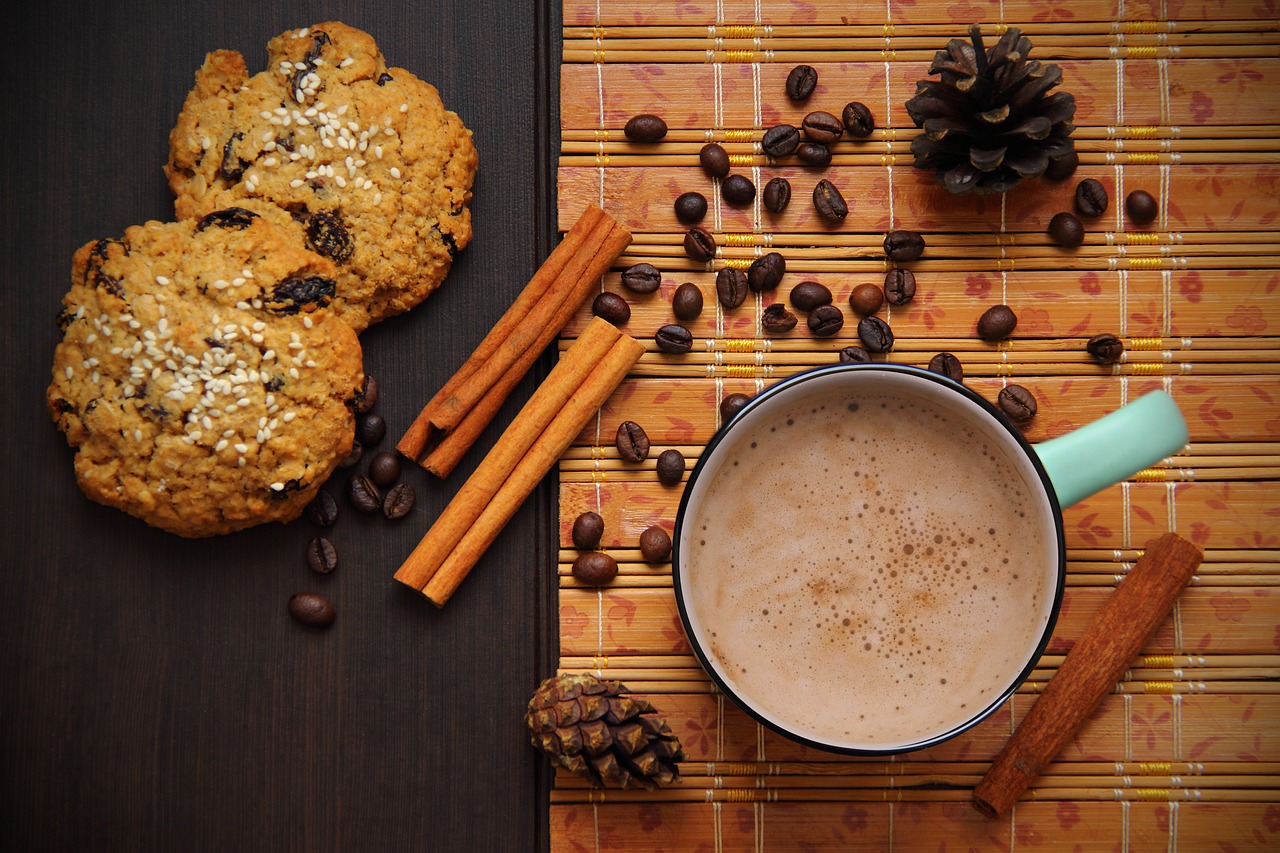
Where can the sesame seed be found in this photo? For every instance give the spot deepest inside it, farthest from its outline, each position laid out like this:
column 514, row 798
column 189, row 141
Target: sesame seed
column 395, row 173
column 242, row 448
column 162, row 280
column 137, row 435
column 306, row 321
column 348, row 61
column 220, row 446
column 404, row 108
column 293, row 372
column 342, row 110
column 240, row 462
column 289, row 416
column 295, row 183
column 341, row 181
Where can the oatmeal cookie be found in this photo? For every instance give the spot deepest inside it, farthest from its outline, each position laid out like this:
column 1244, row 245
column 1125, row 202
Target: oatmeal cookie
column 374, row 171
column 201, row 378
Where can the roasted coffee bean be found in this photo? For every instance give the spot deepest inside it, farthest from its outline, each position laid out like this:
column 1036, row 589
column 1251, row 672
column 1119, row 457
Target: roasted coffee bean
column 776, row 319
column 822, row 127
column 655, row 544
column 587, row 530
column 641, row 278
column 808, row 295
column 311, row 609
column 731, row 287
column 948, row 365
column 670, row 467
column 801, row 82
column 1141, row 206
column 399, row 501
column 777, row 195
column 691, row 207
column 363, row 495
column 645, row 128
column 731, row 405
column 1066, row 230
column 1061, row 168
column 875, row 334
column 813, row 154
column 765, row 273
column 384, row 469
column 780, row 140
column 854, row 355
column 903, row 246
column 595, row 568
column 829, row 202
column 866, row 299
column 1091, row 198
column 1017, row 402
column 737, row 190
column 323, row 510
column 1105, row 348
column 370, row 429
column 322, row 557
column 632, row 442
column 674, row 338
column 699, row 245
column 368, row 396
column 899, row 287
column 714, row 160
column 611, row 308
column 997, row 323
column 686, row 302
column 857, row 119
column 353, row 456
column 825, row 321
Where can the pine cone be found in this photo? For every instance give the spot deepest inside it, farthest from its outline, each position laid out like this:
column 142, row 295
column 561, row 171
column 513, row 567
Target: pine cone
column 988, row 122
column 587, row 726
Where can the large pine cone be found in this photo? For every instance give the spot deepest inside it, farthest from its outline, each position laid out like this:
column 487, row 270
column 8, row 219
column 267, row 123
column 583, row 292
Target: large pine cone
column 587, row 726
column 988, row 121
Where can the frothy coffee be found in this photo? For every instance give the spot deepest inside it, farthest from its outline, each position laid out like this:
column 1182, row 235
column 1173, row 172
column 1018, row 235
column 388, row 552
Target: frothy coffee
column 868, row 570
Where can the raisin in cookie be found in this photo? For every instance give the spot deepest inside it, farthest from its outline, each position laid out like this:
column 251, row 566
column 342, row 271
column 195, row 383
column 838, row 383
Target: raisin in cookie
column 371, row 167
column 201, row 378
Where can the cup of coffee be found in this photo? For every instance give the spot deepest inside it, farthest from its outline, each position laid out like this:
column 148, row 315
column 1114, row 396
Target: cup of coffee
column 869, row 558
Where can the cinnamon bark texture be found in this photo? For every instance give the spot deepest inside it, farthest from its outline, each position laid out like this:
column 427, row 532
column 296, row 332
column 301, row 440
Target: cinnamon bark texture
column 1090, row 671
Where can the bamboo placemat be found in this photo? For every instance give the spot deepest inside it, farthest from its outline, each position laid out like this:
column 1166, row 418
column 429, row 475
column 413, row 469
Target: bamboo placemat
column 1173, row 97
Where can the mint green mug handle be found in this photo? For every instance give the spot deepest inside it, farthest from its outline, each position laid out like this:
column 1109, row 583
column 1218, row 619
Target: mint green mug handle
column 1103, row 453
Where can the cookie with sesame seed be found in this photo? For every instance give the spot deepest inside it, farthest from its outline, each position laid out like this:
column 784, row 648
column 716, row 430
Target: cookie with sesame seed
column 202, row 379
column 374, row 173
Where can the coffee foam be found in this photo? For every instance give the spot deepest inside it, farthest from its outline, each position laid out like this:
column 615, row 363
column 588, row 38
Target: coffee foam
column 869, row 572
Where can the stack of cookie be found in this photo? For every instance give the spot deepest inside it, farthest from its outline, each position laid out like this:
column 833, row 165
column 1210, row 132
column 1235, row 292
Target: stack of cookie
column 209, row 367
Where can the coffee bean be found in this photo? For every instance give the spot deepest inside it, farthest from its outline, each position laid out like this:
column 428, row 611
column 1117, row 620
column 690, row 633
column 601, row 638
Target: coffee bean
column 829, row 202
column 1061, row 168
column 686, row 302
column 899, row 287
column 738, row 191
column 825, row 321
column 587, row 530
column 808, row 295
column 714, row 160
column 776, row 319
column 311, row 609
column 632, row 442
column 813, row 154
column 948, row 365
column 903, row 246
column 322, row 557
column 997, row 323
column 731, row 405
column 323, row 510
column 866, row 299
column 1066, row 230
column 368, row 396
column 857, row 119
column 1141, row 207
column 363, row 495
column 780, row 140
column 801, row 82
column 370, row 429
column 822, row 127
column 699, row 245
column 854, row 355
column 875, row 334
column 655, row 544
column 1105, row 348
column 399, row 501
column 765, row 273
column 1017, row 402
column 595, row 568
column 691, row 207
column 645, row 128
column 641, row 278
column 353, row 456
column 1091, row 198
column 674, row 338
column 384, row 468
column 670, row 467
column 611, row 308
column 777, row 195
column 731, row 287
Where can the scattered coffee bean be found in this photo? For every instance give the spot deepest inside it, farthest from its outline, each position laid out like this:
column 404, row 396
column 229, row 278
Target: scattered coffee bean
column 866, row 299
column 776, row 319
column 780, row 140
column 370, row 429
column 384, row 469
column 948, row 365
column 1141, row 207
column 595, row 568
column 1066, row 230
column 903, row 246
column 641, row 278
column 1105, row 348
column 822, row 127
column 691, row 207
column 1061, row 168
column 997, row 323
column 353, row 456
column 1091, row 198
column 363, row 495
column 765, row 273
column 399, row 501
column 645, row 128
column 674, row 338
column 829, row 202
column 686, row 302
column 699, row 245
column 670, row 467
column 857, row 119
column 611, row 308
column 587, row 530
column 311, row 609
column 632, row 442
column 813, row 154
column 777, row 195
column 731, row 287
column 368, row 396
column 323, row 510
column 731, row 405
column 655, row 544
column 801, row 82
column 322, row 557
column 808, row 295
column 714, row 160
column 875, row 334
column 899, row 287
column 826, row 320
column 1017, row 402
column 738, row 191
column 854, row 355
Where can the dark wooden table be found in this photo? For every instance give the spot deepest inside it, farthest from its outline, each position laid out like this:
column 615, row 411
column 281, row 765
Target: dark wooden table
column 154, row 694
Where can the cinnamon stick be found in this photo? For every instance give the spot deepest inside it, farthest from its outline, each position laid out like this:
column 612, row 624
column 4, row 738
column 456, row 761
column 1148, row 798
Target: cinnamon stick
column 1090, row 671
